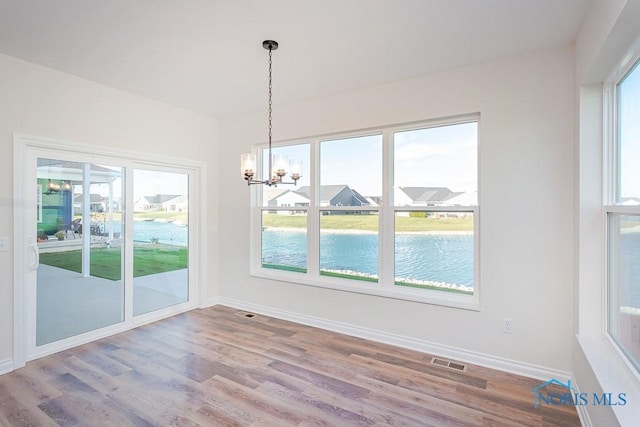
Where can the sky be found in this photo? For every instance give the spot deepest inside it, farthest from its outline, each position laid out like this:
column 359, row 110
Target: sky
column 150, row 183
column 629, row 97
column 146, row 183
column 444, row 156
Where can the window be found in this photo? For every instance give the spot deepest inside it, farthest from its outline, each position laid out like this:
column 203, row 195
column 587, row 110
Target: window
column 435, row 174
column 283, row 229
column 284, row 240
column 623, row 219
column 350, row 173
column 392, row 212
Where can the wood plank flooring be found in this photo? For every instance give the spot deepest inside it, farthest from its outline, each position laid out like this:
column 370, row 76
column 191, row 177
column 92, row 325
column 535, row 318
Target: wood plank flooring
column 216, row 367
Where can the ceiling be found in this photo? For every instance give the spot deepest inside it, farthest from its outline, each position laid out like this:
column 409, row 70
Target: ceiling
column 207, row 55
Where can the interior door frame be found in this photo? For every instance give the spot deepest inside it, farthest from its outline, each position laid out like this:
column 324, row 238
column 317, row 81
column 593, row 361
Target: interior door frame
column 26, row 151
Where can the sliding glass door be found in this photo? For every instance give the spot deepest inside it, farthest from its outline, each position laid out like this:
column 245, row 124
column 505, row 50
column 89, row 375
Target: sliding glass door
column 106, row 244
column 80, row 286
column 160, row 240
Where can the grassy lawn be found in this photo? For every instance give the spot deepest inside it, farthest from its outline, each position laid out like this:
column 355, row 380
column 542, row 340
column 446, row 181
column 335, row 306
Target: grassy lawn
column 434, row 288
column 348, row 276
column 370, row 223
column 106, row 263
column 284, row 267
column 322, row 272
column 367, row 279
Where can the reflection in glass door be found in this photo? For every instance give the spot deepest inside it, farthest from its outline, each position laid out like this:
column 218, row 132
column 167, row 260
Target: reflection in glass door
column 160, row 240
column 80, row 285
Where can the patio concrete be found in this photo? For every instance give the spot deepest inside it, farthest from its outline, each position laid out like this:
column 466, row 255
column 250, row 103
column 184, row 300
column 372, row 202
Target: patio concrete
column 69, row 304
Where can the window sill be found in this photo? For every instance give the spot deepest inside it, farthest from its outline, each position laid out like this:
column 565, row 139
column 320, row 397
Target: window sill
column 446, row 299
column 613, row 375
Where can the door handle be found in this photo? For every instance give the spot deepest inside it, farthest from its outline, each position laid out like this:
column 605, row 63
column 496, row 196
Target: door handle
column 34, row 254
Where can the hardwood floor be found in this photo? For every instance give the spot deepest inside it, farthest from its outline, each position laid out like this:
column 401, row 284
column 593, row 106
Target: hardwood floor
column 216, row 367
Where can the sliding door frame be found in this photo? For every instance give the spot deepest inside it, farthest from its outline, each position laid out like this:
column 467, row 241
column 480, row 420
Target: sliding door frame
column 26, row 151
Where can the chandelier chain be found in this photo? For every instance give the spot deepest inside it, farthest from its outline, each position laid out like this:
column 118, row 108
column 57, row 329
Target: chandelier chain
column 248, row 160
column 270, row 108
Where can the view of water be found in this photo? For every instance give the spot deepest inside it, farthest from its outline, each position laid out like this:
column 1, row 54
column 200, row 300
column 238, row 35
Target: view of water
column 431, row 258
column 629, row 268
column 435, row 258
column 423, row 257
column 145, row 231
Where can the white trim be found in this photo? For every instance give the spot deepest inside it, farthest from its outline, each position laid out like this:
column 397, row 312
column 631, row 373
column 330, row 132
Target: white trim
column 597, row 140
column 612, row 209
column 6, row 366
column 625, row 65
column 20, row 257
column 384, row 286
column 622, row 210
column 489, row 361
column 23, row 144
column 426, row 296
column 583, row 413
column 210, row 302
column 145, row 158
column 612, row 373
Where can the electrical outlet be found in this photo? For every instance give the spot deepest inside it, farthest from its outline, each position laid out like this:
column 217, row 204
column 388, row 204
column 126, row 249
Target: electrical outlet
column 507, row 326
column 4, row 244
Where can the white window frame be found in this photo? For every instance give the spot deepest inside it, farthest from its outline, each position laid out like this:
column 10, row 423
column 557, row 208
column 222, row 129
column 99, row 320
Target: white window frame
column 611, row 184
column 385, row 286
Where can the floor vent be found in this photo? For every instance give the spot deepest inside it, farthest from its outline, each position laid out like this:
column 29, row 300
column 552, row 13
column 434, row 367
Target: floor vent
column 244, row 314
column 448, row 364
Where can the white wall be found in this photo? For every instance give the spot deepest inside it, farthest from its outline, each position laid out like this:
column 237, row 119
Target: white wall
column 41, row 102
column 526, row 188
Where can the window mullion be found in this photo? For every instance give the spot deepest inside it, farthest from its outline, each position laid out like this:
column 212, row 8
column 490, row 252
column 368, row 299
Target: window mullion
column 386, row 225
column 313, row 214
column 127, row 229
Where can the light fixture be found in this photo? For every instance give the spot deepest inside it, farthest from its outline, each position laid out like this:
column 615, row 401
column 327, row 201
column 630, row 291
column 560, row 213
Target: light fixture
column 278, row 165
column 53, row 187
column 56, row 187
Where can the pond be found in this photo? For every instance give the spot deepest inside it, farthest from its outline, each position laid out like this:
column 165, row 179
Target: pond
column 147, row 231
column 421, row 257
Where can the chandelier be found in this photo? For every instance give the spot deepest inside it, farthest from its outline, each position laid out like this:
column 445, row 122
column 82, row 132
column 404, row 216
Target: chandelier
column 58, row 187
column 279, row 165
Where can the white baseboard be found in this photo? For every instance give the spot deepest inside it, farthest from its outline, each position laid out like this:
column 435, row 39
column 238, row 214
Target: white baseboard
column 209, row 302
column 490, row 361
column 583, row 414
column 6, row 366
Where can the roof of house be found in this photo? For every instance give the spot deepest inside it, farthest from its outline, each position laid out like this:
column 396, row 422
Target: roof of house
column 429, row 194
column 93, row 198
column 630, row 201
column 273, row 193
column 363, row 200
column 160, row 198
column 374, row 200
column 327, row 192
